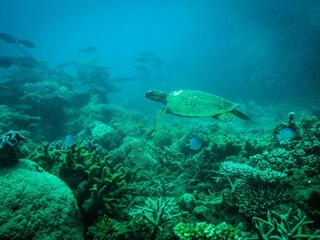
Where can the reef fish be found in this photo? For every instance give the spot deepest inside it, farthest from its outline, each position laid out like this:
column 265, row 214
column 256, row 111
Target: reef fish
column 286, row 134
column 90, row 49
column 7, row 61
column 194, row 143
column 69, row 141
column 13, row 40
column 27, row 43
column 8, row 38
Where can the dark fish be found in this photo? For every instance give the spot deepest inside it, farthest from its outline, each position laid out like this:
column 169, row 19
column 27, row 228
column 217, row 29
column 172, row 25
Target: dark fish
column 142, row 69
column 23, row 106
column 90, row 49
column 99, row 88
column 27, row 62
column 147, row 54
column 8, row 38
column 144, row 60
column 7, row 61
column 35, row 88
column 27, row 43
column 6, row 93
column 157, row 61
column 83, row 89
column 48, row 96
column 122, row 79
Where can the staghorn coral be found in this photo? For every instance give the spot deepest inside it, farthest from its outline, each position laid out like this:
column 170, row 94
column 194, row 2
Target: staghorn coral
column 158, row 213
column 284, row 226
column 107, row 228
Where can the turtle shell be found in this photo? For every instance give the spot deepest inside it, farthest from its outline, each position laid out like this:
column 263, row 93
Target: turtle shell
column 192, row 103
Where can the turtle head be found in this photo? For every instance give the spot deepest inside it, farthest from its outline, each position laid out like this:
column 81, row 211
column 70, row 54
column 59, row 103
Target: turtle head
column 156, row 95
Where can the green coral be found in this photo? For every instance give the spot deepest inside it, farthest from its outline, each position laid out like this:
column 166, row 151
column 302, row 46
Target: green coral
column 284, row 226
column 107, row 228
column 158, row 213
column 99, row 186
column 206, row 231
column 104, row 188
column 256, row 201
column 47, row 157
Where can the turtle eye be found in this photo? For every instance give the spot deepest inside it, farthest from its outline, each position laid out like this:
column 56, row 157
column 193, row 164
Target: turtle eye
column 148, row 94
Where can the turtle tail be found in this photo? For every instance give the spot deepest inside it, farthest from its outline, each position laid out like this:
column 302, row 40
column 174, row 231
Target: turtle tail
column 240, row 114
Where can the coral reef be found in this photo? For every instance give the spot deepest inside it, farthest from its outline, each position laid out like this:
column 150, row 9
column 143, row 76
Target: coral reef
column 131, row 185
column 99, row 186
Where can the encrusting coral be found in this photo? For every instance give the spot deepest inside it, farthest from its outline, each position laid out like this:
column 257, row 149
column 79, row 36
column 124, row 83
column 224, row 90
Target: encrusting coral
column 206, row 231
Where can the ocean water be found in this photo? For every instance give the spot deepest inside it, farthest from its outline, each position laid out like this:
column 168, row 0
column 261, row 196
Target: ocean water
column 161, row 118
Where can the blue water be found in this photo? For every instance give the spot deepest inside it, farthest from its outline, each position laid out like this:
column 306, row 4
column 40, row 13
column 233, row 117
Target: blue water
column 241, row 50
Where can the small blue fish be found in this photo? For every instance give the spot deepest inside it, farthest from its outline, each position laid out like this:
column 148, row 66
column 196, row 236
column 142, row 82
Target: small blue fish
column 69, row 141
column 194, row 143
column 286, row 134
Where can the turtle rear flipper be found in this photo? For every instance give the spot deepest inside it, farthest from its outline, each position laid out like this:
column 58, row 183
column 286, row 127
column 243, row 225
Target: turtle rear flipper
column 240, row 114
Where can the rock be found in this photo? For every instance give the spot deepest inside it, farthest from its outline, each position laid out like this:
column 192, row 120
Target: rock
column 105, row 135
column 187, row 201
column 202, row 213
column 36, row 205
column 141, row 154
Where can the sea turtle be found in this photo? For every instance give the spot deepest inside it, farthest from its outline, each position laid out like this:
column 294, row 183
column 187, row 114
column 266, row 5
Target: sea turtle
column 192, row 103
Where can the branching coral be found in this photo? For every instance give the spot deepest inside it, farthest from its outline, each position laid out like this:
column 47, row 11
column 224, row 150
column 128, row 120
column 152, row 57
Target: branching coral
column 99, row 186
column 256, row 200
column 284, row 226
column 158, row 213
column 254, row 191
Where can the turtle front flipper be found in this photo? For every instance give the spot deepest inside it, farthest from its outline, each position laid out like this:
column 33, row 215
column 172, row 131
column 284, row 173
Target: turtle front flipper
column 157, row 119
